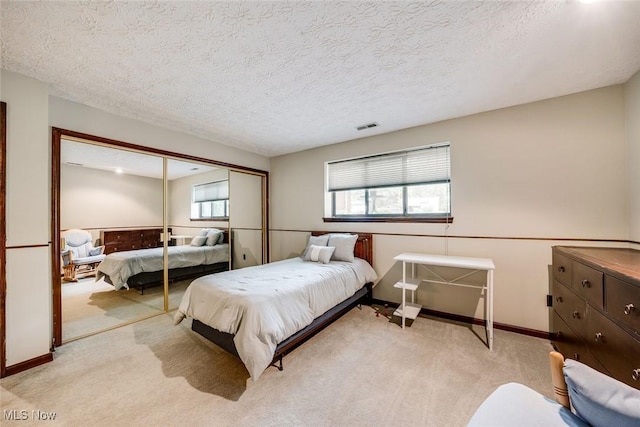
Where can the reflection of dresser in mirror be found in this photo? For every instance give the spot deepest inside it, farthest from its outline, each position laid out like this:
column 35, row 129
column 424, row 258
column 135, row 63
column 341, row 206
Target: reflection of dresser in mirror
column 130, row 239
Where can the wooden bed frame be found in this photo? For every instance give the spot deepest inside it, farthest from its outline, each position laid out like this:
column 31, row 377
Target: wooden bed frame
column 364, row 250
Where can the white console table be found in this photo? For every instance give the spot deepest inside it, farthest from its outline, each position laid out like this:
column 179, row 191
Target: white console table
column 410, row 310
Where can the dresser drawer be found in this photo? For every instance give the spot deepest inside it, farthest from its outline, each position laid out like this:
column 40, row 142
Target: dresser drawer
column 126, row 246
column 117, row 248
column 562, row 268
column 567, row 342
column 115, row 237
column 588, row 282
column 616, row 349
column 622, row 302
column 570, row 307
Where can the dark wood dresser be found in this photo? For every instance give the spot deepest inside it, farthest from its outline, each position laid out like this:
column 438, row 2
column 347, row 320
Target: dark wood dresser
column 596, row 309
column 129, row 239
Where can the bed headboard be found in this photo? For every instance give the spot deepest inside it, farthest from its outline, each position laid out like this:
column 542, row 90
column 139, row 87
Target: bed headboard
column 364, row 244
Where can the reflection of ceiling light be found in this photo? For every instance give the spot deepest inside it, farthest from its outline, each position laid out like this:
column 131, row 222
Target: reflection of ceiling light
column 118, row 170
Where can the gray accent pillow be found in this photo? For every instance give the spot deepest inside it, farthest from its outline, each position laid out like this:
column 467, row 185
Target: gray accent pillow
column 213, row 237
column 344, row 244
column 96, row 251
column 319, row 254
column 599, row 399
column 198, row 240
column 317, row 241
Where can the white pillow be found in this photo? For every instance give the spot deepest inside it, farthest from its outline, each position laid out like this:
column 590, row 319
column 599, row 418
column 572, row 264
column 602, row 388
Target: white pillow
column 198, row 240
column 204, row 232
column 319, row 254
column 344, row 244
column 213, row 237
column 316, row 240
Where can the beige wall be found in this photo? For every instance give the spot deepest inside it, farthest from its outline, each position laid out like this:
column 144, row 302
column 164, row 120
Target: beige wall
column 538, row 172
column 632, row 98
column 28, row 298
column 92, row 198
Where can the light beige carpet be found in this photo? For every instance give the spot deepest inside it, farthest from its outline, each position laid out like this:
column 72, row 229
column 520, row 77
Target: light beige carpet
column 361, row 371
column 89, row 305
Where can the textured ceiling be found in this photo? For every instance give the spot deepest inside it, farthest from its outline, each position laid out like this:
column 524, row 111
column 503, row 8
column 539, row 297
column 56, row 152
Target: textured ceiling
column 279, row 77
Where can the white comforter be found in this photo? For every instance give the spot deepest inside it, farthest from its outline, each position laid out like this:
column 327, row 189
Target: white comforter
column 263, row 305
column 119, row 266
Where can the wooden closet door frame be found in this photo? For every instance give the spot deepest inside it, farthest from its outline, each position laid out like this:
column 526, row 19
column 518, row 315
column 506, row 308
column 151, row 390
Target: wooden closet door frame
column 3, row 240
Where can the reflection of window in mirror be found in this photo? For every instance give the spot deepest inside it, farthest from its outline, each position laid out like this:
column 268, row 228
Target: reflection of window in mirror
column 210, row 200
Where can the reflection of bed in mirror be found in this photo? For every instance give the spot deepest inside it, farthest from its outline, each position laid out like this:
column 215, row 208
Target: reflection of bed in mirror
column 261, row 313
column 143, row 268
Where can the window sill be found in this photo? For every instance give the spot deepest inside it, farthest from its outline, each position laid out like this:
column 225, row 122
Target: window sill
column 222, row 218
column 432, row 220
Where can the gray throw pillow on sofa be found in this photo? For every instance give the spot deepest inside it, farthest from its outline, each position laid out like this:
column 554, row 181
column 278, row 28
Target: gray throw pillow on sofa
column 599, row 399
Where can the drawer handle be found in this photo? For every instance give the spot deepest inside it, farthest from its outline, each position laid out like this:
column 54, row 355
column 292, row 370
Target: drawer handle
column 559, row 299
column 598, row 337
column 576, row 315
column 636, row 374
column 561, row 269
column 586, row 283
column 628, row 309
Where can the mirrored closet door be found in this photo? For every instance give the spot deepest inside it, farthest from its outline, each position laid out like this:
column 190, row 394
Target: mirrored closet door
column 111, row 212
column 198, row 218
column 177, row 217
column 247, row 219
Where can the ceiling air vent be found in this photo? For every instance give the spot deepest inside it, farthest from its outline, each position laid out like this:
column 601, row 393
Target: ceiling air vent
column 368, row 126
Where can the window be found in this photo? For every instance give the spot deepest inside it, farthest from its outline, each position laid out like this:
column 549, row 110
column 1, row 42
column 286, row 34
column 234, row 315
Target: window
column 210, row 200
column 409, row 185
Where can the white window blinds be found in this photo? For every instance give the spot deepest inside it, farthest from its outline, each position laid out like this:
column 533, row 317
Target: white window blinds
column 211, row 191
column 427, row 165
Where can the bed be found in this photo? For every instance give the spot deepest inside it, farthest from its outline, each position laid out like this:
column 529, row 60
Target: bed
column 261, row 313
column 143, row 268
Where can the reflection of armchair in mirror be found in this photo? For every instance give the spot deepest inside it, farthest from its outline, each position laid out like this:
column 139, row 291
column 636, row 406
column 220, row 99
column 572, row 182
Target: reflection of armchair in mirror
column 79, row 256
